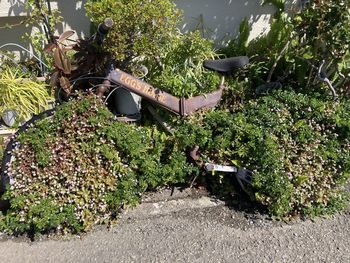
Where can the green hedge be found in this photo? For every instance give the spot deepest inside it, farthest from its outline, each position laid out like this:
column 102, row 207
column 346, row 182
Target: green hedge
column 80, row 167
column 297, row 146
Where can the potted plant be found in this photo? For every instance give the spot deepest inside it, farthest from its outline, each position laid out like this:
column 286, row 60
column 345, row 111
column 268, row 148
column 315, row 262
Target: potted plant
column 20, row 97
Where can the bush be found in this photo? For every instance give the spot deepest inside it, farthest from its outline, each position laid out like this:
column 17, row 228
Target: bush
column 296, row 145
column 140, row 27
column 80, row 167
column 296, row 45
column 146, row 32
column 180, row 70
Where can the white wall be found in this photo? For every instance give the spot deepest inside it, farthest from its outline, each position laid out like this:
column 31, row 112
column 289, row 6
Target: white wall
column 221, row 18
column 11, row 8
column 218, row 19
column 12, row 12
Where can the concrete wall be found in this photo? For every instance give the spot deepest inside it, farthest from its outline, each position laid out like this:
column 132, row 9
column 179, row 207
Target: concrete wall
column 218, row 19
column 12, row 12
column 11, row 8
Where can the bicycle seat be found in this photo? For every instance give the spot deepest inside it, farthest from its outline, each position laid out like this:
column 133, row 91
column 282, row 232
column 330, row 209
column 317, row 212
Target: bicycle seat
column 226, row 65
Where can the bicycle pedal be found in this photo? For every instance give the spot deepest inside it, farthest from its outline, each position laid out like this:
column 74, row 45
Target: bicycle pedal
column 244, row 178
column 245, row 175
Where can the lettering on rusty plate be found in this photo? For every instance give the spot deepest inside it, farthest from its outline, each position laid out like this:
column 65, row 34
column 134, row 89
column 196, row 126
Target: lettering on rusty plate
column 142, row 87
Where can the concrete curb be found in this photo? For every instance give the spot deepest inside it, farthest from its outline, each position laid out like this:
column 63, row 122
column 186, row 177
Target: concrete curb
column 161, row 208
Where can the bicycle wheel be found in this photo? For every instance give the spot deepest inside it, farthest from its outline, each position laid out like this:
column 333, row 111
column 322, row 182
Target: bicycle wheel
column 6, row 160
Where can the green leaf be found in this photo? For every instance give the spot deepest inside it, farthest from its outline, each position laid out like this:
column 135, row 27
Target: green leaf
column 308, row 56
column 235, row 162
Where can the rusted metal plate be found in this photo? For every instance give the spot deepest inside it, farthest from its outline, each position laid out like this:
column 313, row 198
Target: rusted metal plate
column 205, row 101
column 180, row 106
column 145, row 90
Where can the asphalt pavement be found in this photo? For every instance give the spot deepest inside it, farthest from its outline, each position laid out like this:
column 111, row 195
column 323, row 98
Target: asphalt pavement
column 191, row 226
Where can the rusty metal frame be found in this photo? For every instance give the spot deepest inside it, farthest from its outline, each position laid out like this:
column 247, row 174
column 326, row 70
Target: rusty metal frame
column 182, row 106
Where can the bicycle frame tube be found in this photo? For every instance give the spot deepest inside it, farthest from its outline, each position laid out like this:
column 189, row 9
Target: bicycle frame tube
column 177, row 105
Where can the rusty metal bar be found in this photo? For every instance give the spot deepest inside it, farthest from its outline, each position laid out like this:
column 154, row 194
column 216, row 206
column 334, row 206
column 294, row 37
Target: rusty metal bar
column 180, row 106
column 205, row 101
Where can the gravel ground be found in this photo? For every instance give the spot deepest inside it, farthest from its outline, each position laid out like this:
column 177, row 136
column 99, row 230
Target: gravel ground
column 190, row 226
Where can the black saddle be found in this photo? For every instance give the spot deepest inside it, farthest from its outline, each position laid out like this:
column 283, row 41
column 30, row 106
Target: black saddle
column 226, row 65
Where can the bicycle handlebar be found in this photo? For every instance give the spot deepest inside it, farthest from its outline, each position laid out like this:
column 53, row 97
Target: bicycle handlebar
column 102, row 30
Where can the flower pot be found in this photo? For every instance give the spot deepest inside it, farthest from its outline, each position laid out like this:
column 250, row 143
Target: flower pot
column 127, row 104
column 9, row 117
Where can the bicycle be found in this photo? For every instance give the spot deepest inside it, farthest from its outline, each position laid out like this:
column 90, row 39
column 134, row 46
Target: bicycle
column 117, row 78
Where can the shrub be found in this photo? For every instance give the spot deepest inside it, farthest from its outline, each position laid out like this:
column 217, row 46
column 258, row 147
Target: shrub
column 80, row 167
column 145, row 32
column 296, row 45
column 296, row 145
column 140, row 27
column 180, row 68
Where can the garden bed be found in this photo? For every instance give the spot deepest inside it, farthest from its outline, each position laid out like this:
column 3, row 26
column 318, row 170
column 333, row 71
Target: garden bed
column 95, row 166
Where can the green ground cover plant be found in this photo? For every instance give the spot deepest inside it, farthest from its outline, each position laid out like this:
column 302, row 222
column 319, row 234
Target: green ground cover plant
column 80, row 167
column 296, row 145
column 83, row 167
